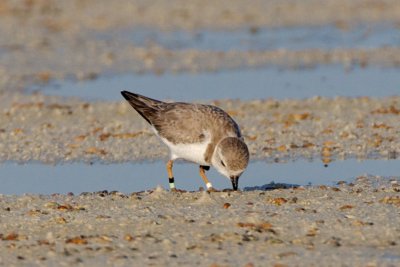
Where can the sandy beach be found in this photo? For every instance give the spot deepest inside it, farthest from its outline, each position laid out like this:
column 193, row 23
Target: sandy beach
column 58, row 40
column 350, row 224
column 274, row 130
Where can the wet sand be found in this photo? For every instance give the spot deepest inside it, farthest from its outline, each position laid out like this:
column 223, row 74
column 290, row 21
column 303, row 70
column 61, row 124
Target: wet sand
column 58, row 40
column 53, row 129
column 349, row 225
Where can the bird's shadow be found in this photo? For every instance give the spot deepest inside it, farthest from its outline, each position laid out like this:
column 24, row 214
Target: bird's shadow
column 270, row 186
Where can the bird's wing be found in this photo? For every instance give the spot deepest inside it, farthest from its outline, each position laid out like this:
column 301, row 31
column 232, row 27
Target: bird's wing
column 145, row 106
column 188, row 123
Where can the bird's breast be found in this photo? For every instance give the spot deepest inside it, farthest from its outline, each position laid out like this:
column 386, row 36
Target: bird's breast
column 194, row 152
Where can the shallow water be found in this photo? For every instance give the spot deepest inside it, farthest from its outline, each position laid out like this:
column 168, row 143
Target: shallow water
column 291, row 38
column 127, row 177
column 327, row 81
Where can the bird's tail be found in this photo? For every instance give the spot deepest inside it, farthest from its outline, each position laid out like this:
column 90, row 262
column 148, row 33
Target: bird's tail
column 145, row 106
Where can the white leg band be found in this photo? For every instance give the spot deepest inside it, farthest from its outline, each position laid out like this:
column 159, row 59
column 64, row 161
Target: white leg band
column 172, row 185
column 209, row 185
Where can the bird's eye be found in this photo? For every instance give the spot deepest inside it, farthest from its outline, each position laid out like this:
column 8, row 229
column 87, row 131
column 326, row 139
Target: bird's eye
column 223, row 164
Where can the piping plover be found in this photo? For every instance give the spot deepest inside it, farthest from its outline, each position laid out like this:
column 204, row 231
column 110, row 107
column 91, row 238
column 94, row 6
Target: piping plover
column 202, row 134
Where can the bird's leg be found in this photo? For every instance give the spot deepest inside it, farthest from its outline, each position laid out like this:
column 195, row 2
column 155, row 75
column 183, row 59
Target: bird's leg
column 171, row 179
column 202, row 172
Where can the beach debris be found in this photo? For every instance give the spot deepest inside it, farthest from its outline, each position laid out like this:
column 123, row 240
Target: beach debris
column 286, row 254
column 128, row 237
column 259, row 227
column 36, row 212
column 278, row 201
column 106, row 136
column 357, row 222
column 395, row 200
column 60, row 220
column 390, row 110
column 63, row 207
column 13, row 237
column 95, row 151
column 227, row 205
column 77, row 240
column 312, row 232
column 346, row 207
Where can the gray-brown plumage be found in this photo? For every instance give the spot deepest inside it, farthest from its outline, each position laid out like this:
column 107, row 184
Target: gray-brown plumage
column 194, row 131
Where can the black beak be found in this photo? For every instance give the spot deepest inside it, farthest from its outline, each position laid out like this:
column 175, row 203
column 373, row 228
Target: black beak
column 235, row 182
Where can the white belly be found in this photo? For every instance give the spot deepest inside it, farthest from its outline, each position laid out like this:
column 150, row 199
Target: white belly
column 190, row 152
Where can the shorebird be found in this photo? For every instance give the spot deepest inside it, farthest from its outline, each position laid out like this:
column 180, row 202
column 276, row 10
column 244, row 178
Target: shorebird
column 203, row 134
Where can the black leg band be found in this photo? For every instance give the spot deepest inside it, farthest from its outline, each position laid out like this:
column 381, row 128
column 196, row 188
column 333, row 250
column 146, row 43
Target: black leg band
column 171, row 180
column 206, row 168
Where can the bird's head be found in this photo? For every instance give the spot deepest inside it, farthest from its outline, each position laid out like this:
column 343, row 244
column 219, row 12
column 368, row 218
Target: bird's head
column 230, row 158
